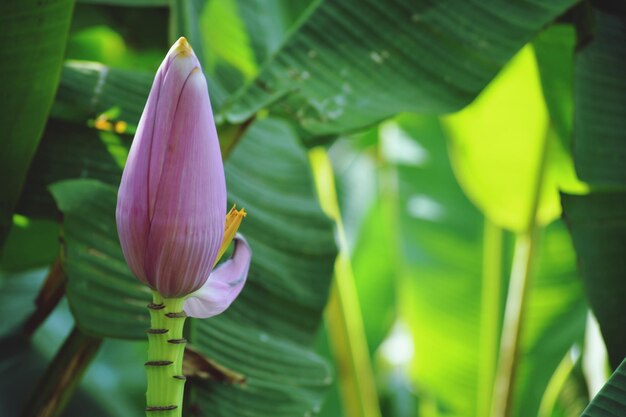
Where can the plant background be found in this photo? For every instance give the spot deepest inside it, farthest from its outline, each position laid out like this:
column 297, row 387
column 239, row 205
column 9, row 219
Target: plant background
column 413, row 171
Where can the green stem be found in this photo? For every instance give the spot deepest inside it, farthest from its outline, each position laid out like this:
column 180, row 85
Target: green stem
column 489, row 315
column 510, row 343
column 517, row 300
column 62, row 376
column 344, row 320
column 556, row 384
column 164, row 368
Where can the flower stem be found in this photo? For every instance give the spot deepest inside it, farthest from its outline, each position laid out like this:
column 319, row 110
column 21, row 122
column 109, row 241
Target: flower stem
column 166, row 346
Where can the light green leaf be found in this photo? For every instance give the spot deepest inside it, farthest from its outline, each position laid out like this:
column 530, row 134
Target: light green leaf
column 225, row 37
column 501, row 143
column 441, row 287
column 498, row 146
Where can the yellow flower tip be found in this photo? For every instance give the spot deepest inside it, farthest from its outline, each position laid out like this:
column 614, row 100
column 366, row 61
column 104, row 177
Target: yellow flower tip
column 233, row 213
column 182, row 46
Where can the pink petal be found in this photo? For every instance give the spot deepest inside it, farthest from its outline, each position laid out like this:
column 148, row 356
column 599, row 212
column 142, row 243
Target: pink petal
column 224, row 284
column 132, row 218
column 187, row 223
column 173, row 80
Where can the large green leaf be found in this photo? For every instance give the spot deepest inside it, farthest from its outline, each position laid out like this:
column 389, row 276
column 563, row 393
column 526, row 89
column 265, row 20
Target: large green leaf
column 88, row 89
column 104, row 296
column 352, row 63
column 32, row 43
column 611, row 400
column 597, row 222
column 71, row 151
column 267, row 334
column 502, row 146
column 600, row 103
column 443, row 279
column 504, row 131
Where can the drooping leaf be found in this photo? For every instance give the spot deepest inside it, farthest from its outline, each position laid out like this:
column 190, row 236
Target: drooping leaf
column 352, row 63
column 32, row 43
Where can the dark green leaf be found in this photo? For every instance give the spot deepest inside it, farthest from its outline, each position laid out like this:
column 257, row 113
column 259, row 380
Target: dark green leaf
column 71, row 151
column 354, row 62
column 32, row 43
column 31, row 243
column 88, row 89
column 597, row 223
column 611, row 400
column 600, row 103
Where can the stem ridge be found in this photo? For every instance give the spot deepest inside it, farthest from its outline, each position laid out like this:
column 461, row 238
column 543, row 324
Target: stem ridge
column 162, row 408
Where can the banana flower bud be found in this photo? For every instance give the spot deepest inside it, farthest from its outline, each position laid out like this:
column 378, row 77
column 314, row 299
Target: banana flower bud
column 172, row 197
